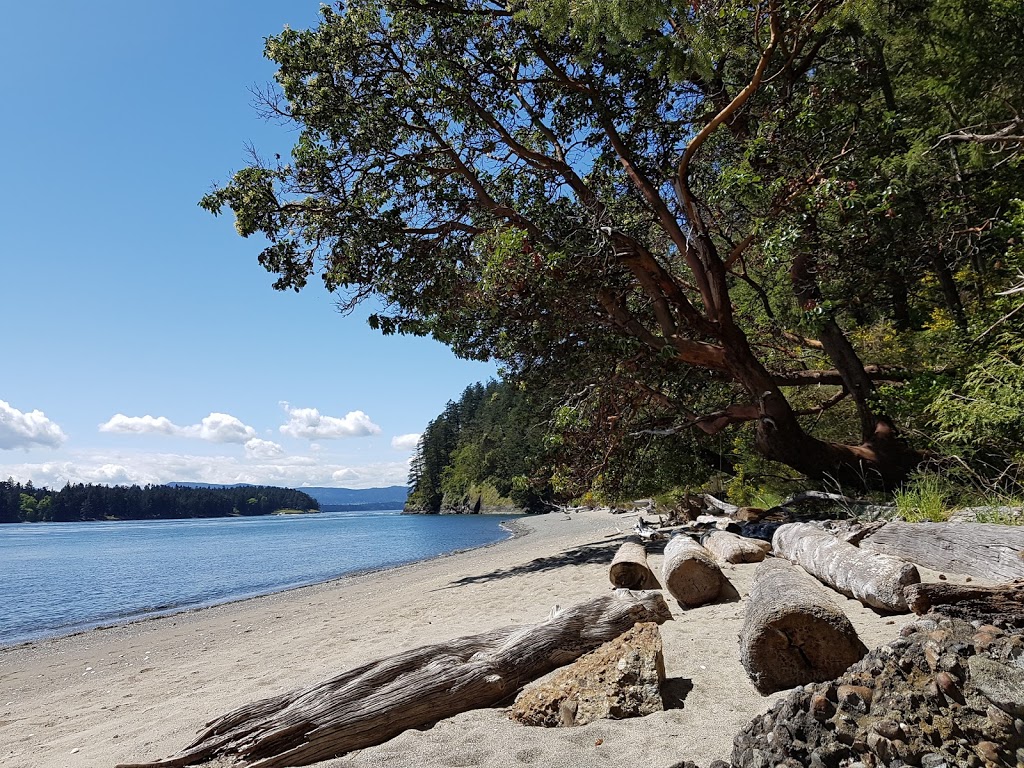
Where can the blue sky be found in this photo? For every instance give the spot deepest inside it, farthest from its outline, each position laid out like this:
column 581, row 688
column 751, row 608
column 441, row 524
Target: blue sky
column 143, row 341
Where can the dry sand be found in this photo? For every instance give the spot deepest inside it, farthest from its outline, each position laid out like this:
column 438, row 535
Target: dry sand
column 143, row 690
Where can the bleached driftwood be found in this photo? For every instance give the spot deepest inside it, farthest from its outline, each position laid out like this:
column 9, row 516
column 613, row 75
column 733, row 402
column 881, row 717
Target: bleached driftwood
column 874, row 579
column 629, row 568
column 727, row 547
column 793, row 633
column 372, row 703
column 689, row 572
column 724, row 506
column 645, row 530
column 982, row 550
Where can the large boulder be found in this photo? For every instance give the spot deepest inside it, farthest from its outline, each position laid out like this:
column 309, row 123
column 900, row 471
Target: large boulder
column 948, row 693
column 620, row 679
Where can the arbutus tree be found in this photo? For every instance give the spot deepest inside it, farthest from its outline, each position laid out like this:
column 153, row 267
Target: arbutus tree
column 541, row 191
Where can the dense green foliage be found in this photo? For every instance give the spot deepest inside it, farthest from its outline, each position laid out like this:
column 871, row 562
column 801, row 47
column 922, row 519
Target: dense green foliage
column 667, row 220
column 78, row 502
column 490, row 439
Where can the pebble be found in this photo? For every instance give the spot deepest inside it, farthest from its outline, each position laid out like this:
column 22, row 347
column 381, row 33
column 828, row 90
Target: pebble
column 947, row 684
column 988, row 751
column 857, row 697
column 821, row 707
column 888, row 729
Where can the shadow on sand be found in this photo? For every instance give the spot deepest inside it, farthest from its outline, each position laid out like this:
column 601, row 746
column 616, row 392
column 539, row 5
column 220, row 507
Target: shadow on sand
column 597, row 552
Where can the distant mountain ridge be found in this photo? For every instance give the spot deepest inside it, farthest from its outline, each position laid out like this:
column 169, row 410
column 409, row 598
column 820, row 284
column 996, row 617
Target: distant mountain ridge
column 391, row 496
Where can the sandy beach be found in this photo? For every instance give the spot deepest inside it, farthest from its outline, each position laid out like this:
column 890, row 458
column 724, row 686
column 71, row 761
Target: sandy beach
column 142, row 691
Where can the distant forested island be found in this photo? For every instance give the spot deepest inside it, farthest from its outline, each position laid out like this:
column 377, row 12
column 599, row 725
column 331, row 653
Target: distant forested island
column 337, row 499
column 79, row 502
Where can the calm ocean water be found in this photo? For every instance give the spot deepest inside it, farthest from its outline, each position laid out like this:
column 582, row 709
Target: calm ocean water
column 57, row 578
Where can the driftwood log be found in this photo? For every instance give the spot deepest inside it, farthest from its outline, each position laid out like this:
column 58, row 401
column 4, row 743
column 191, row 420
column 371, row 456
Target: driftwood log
column 793, row 633
column 1004, row 598
column 629, row 568
column 689, row 573
column 876, row 580
column 372, row 703
column 982, row 550
column 729, row 548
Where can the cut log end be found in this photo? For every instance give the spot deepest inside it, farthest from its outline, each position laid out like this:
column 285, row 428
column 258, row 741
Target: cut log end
column 690, row 574
column 793, row 634
column 629, row 568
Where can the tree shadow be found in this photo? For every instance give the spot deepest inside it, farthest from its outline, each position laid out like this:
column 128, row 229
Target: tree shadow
column 593, row 553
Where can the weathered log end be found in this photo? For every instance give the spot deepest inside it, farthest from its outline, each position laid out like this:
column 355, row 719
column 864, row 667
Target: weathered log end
column 690, row 573
column 793, row 634
column 629, row 568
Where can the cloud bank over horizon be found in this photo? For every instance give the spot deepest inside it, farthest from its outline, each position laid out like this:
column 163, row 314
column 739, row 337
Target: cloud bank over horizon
column 160, row 468
column 261, row 460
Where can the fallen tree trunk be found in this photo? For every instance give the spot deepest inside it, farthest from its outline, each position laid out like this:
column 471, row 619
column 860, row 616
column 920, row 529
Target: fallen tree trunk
column 629, row 568
column 729, row 548
column 372, row 703
column 689, row 572
column 793, row 633
column 982, row 550
column 1005, row 598
column 723, row 506
column 874, row 579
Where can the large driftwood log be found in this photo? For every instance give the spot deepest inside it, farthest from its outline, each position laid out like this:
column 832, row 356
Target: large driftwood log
column 793, row 633
column 729, row 548
column 372, row 703
column 982, row 550
column 689, row 572
column 874, row 579
column 1004, row 598
column 629, row 568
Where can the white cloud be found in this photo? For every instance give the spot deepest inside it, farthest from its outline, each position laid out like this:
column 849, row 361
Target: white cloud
column 224, row 428
column 140, row 425
column 405, row 442
column 21, row 430
column 215, row 428
column 312, row 425
column 262, row 449
column 117, row 468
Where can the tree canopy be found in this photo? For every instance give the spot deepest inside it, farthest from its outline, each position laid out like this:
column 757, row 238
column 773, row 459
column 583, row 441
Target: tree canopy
column 792, row 215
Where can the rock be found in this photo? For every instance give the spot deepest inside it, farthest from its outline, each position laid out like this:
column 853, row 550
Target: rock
column 1002, row 684
column 893, row 709
column 620, row 679
column 854, row 697
column 987, row 751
